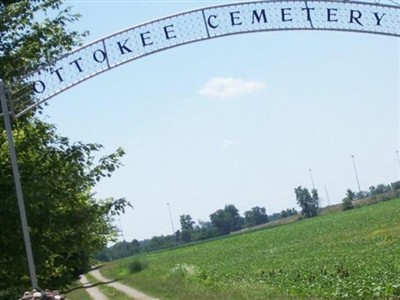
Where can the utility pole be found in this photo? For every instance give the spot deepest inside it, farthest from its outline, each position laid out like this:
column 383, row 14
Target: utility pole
column 327, row 195
column 355, row 171
column 18, row 187
column 312, row 180
column 170, row 217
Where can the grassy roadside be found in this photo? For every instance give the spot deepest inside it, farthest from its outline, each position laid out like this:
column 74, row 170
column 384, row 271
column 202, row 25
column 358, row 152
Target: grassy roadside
column 353, row 254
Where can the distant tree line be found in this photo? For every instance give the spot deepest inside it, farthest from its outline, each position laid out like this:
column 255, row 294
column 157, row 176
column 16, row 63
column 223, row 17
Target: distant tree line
column 381, row 192
column 227, row 220
column 222, row 222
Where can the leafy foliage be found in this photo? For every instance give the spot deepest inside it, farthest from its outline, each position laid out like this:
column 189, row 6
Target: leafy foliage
column 309, row 203
column 27, row 40
column 347, row 202
column 226, row 220
column 186, row 222
column 256, row 216
column 288, row 212
column 136, row 266
column 33, row 33
column 187, row 228
column 67, row 224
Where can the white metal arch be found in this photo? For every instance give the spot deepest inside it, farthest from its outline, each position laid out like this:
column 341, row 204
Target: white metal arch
column 203, row 24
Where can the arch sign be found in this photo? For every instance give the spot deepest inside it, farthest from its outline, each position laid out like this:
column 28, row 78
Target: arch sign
column 184, row 28
column 207, row 23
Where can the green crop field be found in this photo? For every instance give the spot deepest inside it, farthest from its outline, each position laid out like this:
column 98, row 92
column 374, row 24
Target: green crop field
column 344, row 255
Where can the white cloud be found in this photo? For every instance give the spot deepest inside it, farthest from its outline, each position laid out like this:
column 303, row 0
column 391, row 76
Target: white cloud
column 221, row 88
column 227, row 142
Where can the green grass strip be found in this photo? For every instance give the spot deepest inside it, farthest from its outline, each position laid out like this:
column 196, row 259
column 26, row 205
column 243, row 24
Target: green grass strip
column 107, row 290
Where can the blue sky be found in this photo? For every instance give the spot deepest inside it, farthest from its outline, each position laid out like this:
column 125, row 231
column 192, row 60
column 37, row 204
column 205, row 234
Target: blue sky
column 235, row 120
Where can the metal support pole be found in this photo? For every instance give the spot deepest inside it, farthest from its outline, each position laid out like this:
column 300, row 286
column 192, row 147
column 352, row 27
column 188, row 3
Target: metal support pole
column 18, row 187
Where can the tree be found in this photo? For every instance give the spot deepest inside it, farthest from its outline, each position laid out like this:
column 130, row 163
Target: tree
column 395, row 185
column 204, row 230
column 186, row 228
column 222, row 220
column 362, row 194
column 226, row 220
column 379, row 189
column 309, row 203
column 135, row 247
column 67, row 224
column 347, row 202
column 288, row 212
column 27, row 41
column 237, row 220
column 186, row 223
column 256, row 216
column 350, row 195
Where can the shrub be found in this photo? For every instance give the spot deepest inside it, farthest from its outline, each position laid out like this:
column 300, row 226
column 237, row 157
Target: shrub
column 136, row 266
column 347, row 204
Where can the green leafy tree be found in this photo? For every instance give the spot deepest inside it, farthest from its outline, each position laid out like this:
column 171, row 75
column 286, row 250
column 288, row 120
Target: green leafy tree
column 227, row 220
column 347, row 202
column 350, row 195
column 187, row 224
column 379, row 189
column 222, row 220
column 237, row 220
column 395, row 185
column 160, row 242
column 256, row 216
column 28, row 41
column 204, row 230
column 309, row 203
column 67, row 224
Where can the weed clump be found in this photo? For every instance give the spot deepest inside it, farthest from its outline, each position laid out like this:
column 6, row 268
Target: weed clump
column 136, row 266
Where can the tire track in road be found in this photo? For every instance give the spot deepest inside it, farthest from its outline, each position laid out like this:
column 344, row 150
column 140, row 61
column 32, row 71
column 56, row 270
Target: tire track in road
column 93, row 291
column 131, row 292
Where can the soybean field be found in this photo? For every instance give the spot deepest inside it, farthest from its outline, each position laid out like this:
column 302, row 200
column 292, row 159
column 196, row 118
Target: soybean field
column 351, row 254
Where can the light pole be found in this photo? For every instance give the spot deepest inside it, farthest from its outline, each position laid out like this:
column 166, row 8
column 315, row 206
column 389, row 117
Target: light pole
column 355, row 171
column 312, row 180
column 170, row 217
column 327, row 195
column 18, row 186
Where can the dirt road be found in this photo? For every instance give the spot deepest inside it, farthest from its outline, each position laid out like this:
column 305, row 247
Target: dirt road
column 93, row 291
column 131, row 292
